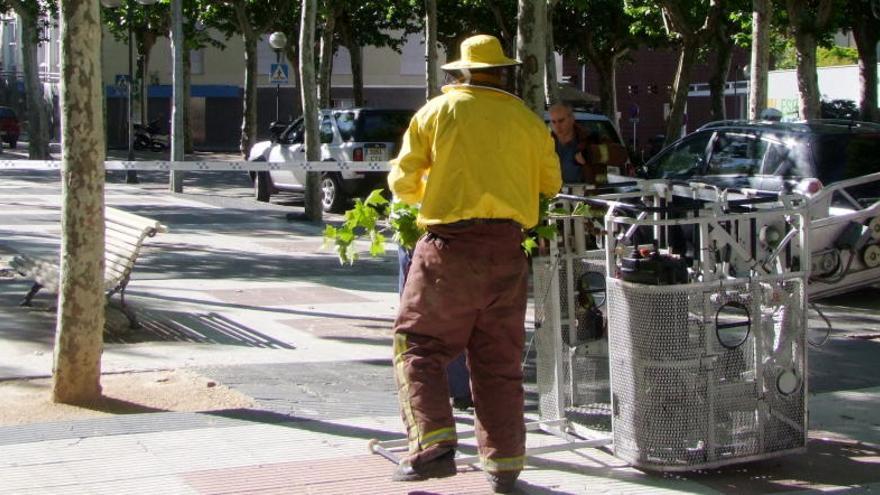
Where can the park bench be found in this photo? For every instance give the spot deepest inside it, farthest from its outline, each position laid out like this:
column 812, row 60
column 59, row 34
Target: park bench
column 124, row 235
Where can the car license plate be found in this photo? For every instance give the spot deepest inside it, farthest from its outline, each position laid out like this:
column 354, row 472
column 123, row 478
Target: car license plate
column 374, row 153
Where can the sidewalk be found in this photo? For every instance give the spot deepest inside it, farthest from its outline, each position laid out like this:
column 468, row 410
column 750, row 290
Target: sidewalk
column 237, row 293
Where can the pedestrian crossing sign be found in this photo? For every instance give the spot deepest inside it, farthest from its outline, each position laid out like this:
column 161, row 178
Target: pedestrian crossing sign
column 278, row 74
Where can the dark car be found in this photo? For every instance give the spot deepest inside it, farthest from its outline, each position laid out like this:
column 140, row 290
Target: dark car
column 835, row 164
column 9, row 126
column 774, row 156
column 357, row 134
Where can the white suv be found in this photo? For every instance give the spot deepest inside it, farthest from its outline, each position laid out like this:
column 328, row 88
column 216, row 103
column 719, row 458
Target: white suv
column 357, row 134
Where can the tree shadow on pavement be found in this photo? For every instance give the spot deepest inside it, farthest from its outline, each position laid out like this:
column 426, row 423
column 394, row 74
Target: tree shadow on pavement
column 306, row 424
column 197, row 328
column 38, row 176
column 827, row 463
column 202, row 262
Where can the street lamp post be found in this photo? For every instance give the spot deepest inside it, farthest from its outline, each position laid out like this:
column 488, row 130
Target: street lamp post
column 130, row 175
column 277, row 41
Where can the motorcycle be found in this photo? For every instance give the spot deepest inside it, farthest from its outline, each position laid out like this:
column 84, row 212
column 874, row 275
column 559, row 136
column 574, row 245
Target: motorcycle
column 150, row 137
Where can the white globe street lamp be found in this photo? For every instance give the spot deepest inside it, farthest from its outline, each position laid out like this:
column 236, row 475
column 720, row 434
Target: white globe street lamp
column 277, row 41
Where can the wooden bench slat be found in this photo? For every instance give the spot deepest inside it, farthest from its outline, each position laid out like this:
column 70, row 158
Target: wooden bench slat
column 124, row 231
column 112, row 215
column 115, row 245
column 124, row 234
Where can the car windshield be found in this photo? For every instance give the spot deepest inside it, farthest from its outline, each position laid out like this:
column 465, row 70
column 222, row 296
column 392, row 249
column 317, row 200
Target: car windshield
column 377, row 126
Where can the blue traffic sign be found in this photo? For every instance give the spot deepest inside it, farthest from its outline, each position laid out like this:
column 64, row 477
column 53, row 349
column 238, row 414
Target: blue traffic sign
column 278, row 74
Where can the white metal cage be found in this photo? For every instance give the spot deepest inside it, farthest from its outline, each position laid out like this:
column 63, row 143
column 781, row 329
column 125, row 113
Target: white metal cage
column 702, row 372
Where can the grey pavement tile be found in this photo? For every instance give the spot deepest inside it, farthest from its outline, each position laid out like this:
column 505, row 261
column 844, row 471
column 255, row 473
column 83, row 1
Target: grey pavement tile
column 114, row 425
column 330, row 390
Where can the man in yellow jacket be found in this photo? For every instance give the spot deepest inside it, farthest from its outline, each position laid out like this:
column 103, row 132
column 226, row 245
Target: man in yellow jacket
column 476, row 159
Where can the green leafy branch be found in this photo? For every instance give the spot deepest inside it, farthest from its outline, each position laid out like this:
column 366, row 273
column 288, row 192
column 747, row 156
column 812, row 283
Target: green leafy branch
column 375, row 216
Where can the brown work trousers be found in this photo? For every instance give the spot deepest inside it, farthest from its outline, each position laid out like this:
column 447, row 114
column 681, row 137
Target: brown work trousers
column 466, row 289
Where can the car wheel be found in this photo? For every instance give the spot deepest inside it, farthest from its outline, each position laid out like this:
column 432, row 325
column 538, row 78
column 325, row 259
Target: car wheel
column 332, row 197
column 13, row 143
column 262, row 186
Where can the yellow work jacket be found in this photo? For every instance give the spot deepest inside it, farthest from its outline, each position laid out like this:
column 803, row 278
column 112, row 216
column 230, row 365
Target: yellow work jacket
column 475, row 152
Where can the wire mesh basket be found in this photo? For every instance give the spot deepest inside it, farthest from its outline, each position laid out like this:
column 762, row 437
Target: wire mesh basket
column 701, row 370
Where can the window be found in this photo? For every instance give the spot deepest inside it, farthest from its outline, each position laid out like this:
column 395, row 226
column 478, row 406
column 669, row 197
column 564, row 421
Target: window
column 326, row 129
column 345, row 124
column 683, row 160
column 294, row 134
column 786, row 160
column 736, row 154
column 382, row 126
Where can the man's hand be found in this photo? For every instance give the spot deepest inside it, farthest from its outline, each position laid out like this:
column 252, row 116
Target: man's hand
column 579, row 157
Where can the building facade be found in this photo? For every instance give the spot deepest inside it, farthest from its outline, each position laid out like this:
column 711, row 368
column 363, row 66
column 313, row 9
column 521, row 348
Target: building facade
column 391, row 79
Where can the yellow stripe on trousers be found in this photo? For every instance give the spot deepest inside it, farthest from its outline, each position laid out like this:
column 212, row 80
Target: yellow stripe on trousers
column 503, row 464
column 403, row 392
column 418, row 440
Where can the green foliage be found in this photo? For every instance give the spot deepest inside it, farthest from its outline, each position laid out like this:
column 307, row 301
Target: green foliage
column 825, row 56
column 837, row 55
column 374, row 216
column 839, row 109
column 359, row 221
column 377, row 23
column 597, row 28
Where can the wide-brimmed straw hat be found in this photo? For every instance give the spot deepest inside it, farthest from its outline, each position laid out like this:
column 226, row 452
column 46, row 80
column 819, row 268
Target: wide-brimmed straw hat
column 481, row 52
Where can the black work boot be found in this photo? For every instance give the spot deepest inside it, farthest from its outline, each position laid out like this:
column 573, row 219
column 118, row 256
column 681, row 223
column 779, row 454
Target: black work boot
column 503, row 481
column 442, row 466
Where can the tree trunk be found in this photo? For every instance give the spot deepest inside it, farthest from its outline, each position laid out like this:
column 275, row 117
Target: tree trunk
column 326, row 61
column 356, row 59
column 144, row 47
column 551, row 85
column 291, row 51
column 310, row 107
column 723, row 48
column 38, row 129
column 807, row 78
column 531, row 49
column 187, row 91
column 866, row 35
column 501, row 21
column 249, row 102
column 606, row 69
column 760, row 63
column 432, row 87
column 680, row 86
column 79, row 334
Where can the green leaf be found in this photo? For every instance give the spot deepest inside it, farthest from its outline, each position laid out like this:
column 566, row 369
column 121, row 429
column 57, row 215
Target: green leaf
column 377, row 244
column 376, row 198
column 546, row 231
column 529, row 245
